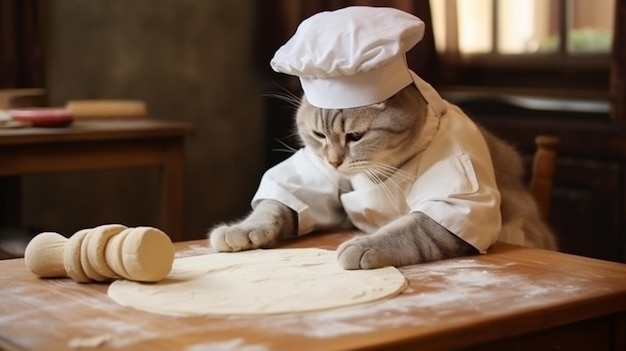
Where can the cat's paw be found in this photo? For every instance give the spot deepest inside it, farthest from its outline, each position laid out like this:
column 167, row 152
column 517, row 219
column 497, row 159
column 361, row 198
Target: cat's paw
column 361, row 253
column 242, row 236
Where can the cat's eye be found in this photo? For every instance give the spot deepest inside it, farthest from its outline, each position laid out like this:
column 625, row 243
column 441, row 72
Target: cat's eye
column 319, row 134
column 354, row 136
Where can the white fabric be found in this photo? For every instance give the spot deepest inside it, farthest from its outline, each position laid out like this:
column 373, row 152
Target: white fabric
column 357, row 90
column 455, row 185
column 355, row 57
column 351, row 57
column 435, row 102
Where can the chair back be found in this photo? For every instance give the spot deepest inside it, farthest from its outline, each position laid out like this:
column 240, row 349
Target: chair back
column 542, row 172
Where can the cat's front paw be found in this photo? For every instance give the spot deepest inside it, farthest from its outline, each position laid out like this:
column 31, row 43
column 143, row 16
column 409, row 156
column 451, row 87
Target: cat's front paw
column 242, row 236
column 360, row 253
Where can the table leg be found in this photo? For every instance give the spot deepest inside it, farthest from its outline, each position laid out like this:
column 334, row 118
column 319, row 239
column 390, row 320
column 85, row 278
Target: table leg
column 10, row 202
column 620, row 331
column 173, row 189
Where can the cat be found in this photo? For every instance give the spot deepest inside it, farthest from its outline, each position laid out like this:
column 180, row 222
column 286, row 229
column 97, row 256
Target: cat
column 373, row 143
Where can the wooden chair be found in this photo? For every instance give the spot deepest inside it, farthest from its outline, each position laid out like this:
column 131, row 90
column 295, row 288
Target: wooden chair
column 542, row 172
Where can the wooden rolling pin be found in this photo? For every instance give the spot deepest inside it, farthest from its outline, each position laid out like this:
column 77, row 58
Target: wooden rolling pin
column 97, row 109
column 103, row 253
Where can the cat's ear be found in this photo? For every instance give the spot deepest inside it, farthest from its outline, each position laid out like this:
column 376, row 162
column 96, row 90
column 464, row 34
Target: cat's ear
column 379, row 106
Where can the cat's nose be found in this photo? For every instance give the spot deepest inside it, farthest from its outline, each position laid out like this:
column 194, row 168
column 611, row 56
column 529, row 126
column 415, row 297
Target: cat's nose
column 336, row 164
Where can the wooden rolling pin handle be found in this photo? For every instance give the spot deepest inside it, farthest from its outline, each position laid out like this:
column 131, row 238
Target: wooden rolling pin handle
column 44, row 255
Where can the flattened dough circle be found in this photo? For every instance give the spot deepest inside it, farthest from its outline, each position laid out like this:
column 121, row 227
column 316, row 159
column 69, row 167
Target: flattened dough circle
column 258, row 282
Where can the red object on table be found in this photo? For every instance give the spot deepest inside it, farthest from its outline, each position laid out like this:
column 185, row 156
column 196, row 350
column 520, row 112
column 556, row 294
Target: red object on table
column 43, row 116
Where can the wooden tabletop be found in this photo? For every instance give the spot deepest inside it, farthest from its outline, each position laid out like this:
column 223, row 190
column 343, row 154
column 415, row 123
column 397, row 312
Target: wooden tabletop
column 83, row 130
column 93, row 145
column 511, row 293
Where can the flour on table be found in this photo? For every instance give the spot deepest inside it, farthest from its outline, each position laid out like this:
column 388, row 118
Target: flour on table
column 258, row 282
column 236, row 344
column 89, row 342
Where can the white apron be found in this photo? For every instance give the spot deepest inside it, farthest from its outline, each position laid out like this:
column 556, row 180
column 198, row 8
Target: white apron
column 454, row 183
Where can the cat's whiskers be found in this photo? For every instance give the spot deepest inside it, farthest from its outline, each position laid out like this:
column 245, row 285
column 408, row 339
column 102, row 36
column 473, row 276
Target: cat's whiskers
column 393, row 171
column 288, row 148
column 375, row 178
column 384, row 176
column 286, row 96
column 387, row 171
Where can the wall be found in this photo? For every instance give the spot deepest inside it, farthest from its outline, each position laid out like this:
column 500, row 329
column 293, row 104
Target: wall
column 190, row 61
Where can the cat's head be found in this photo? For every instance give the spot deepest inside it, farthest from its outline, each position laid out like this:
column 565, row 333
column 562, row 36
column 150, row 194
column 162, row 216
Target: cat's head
column 365, row 139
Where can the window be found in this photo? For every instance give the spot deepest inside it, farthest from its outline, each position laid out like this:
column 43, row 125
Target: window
column 554, row 44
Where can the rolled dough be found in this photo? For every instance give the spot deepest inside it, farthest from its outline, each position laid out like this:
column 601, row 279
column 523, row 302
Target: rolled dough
column 258, row 282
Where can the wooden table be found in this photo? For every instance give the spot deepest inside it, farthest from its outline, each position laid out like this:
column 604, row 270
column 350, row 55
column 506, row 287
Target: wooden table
column 97, row 145
column 512, row 298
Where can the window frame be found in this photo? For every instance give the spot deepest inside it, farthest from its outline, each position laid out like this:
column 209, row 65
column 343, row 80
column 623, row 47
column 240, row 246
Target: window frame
column 559, row 73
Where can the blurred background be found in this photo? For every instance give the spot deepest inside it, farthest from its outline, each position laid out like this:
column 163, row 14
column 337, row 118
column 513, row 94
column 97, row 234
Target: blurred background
column 519, row 67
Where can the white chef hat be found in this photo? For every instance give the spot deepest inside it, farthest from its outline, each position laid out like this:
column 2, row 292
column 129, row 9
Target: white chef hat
column 353, row 57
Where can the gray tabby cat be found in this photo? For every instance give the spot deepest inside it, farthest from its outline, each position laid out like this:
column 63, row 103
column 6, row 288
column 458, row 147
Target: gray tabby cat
column 374, row 140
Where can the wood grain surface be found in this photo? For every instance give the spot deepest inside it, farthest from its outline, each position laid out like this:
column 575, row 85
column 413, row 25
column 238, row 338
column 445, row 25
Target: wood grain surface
column 509, row 296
